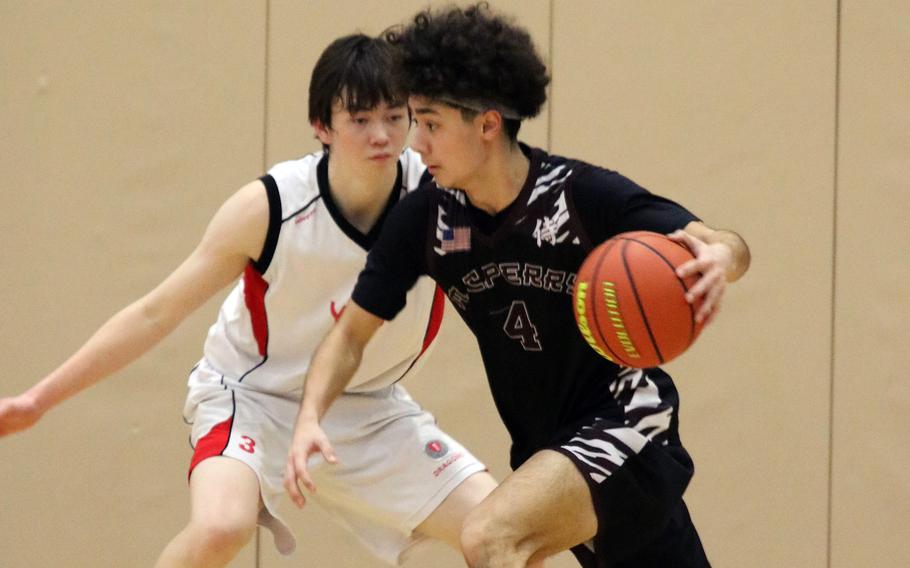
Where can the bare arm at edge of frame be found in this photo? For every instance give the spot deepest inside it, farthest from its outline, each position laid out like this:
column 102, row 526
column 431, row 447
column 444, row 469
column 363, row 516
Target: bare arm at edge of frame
column 235, row 234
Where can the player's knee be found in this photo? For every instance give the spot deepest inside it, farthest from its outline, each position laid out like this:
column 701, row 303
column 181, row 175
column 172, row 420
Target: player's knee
column 222, row 535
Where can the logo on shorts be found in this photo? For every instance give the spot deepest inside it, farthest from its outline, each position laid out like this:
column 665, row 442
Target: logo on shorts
column 436, row 449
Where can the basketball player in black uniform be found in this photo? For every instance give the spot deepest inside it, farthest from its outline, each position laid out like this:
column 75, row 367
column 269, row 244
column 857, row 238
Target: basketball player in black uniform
column 599, row 466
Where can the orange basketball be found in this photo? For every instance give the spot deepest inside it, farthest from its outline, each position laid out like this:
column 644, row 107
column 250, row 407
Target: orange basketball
column 629, row 303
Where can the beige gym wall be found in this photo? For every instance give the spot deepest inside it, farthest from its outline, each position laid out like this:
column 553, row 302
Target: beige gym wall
column 870, row 486
column 124, row 126
column 729, row 108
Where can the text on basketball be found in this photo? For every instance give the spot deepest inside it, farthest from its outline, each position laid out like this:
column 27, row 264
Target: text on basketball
column 616, row 318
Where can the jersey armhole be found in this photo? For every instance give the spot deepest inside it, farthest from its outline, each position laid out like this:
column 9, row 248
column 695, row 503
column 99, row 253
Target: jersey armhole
column 271, row 236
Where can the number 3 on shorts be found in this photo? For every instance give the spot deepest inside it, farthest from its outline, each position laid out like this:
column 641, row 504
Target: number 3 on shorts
column 248, row 445
column 518, row 326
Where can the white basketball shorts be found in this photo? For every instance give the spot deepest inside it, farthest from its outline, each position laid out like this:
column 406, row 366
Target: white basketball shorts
column 395, row 466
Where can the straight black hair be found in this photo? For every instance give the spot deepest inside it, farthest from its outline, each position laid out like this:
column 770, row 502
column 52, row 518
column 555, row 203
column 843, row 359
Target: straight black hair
column 356, row 69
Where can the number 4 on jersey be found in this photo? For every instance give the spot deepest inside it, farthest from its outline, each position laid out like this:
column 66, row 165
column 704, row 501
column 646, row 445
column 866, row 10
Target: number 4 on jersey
column 518, row 326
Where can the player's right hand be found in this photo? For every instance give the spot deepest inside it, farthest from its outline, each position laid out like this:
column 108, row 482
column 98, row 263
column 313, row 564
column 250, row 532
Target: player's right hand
column 710, row 265
column 18, row 413
column 309, row 438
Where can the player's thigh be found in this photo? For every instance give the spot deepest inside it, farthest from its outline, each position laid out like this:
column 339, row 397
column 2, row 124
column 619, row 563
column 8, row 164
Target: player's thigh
column 544, row 505
column 224, row 493
column 446, row 521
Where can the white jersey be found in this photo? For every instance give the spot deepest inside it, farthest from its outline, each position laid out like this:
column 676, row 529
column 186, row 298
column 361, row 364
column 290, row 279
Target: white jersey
column 286, row 301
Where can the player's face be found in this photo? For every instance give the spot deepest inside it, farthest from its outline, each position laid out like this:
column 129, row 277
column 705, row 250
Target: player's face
column 373, row 137
column 451, row 147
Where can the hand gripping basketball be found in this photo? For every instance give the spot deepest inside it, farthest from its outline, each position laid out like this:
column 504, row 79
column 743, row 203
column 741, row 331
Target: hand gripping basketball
column 629, row 303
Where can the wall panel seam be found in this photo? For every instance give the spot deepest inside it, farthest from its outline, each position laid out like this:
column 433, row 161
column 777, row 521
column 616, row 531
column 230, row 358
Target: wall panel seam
column 257, row 550
column 834, row 228
column 550, row 45
column 265, row 89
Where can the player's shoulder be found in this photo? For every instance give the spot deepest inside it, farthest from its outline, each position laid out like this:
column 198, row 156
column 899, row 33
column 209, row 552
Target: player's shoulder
column 555, row 166
column 299, row 170
column 296, row 181
column 588, row 178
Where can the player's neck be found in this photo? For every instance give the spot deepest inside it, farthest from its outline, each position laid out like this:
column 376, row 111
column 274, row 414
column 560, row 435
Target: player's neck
column 500, row 180
column 361, row 193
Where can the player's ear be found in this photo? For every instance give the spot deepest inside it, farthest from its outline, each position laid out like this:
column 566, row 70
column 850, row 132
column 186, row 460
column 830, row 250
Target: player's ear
column 323, row 133
column 491, row 124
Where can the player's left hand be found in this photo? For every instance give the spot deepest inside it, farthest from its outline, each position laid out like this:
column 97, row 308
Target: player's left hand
column 711, row 261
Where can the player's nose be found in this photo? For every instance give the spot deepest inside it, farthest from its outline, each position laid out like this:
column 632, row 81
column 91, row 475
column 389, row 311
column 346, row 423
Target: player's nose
column 379, row 136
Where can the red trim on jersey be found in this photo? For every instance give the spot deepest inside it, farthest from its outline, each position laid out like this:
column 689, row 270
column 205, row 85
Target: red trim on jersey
column 212, row 444
column 439, row 306
column 254, row 288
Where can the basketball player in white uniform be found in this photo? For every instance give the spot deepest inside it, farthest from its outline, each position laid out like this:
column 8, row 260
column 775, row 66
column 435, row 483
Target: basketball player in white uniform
column 294, row 242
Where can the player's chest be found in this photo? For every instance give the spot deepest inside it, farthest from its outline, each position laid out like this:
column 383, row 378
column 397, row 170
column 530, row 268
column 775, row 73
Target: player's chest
column 316, row 244
column 511, row 267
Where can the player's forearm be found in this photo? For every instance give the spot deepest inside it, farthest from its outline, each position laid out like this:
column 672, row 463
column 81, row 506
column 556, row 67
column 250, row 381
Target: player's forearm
column 741, row 257
column 121, row 340
column 335, row 362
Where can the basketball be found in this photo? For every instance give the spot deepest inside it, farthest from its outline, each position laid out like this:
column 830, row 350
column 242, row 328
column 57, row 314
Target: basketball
column 630, row 305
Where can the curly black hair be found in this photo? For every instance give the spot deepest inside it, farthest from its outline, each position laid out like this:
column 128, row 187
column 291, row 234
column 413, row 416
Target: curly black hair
column 470, row 54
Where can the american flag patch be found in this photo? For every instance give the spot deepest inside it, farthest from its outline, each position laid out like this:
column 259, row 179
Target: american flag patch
column 456, row 240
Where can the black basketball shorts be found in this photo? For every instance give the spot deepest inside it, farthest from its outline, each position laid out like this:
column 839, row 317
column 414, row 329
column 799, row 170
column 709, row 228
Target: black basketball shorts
column 636, row 488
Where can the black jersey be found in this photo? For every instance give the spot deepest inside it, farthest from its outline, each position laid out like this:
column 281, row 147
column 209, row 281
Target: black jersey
column 511, row 277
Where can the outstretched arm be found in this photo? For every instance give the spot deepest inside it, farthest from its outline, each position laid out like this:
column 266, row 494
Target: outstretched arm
column 234, row 236
column 335, row 362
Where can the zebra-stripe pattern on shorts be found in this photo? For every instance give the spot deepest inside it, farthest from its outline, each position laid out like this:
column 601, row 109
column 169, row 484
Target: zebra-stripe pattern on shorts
column 647, row 416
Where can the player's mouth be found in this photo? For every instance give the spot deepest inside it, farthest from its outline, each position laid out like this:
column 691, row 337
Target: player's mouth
column 432, row 170
column 381, row 157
